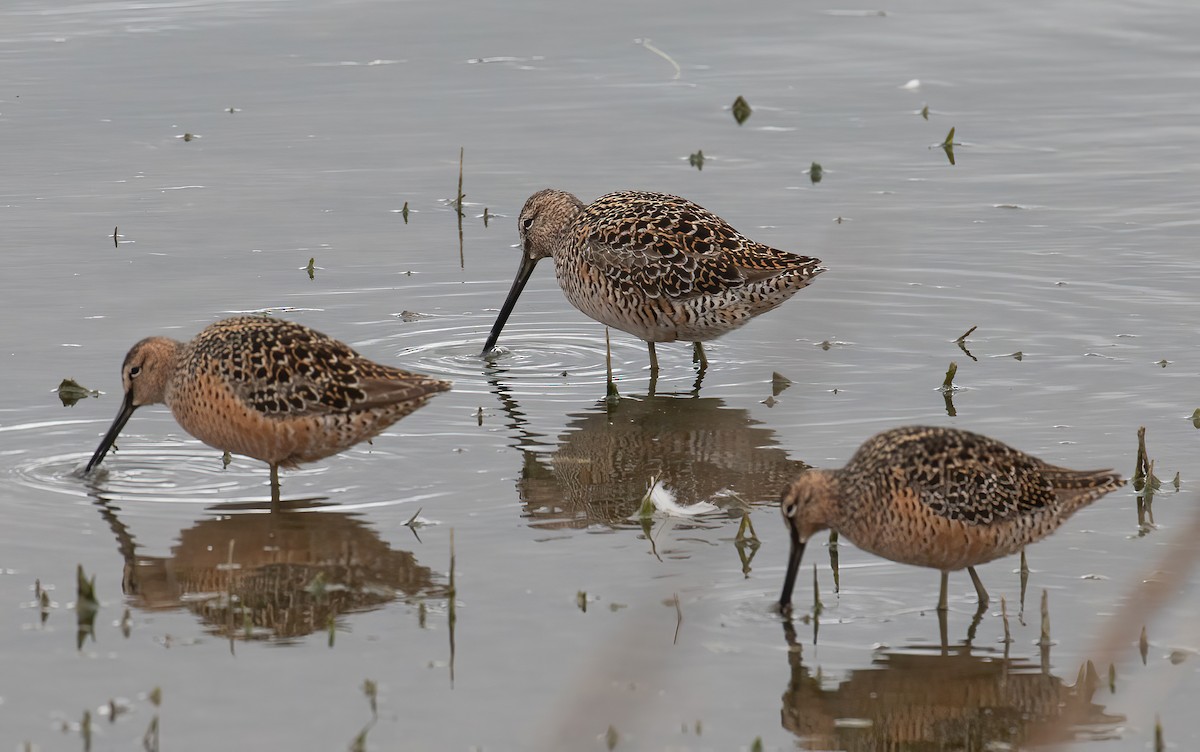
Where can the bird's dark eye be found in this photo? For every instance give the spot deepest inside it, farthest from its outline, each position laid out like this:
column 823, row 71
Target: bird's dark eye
column 134, row 371
column 527, row 222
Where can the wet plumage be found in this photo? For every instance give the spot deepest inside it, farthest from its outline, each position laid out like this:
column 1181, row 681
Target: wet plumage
column 937, row 497
column 268, row 389
column 656, row 266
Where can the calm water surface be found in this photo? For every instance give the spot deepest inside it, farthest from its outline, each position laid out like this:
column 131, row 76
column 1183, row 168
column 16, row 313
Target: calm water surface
column 1066, row 231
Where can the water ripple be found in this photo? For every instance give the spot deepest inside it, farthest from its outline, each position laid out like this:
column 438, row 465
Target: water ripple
column 152, row 472
column 536, row 352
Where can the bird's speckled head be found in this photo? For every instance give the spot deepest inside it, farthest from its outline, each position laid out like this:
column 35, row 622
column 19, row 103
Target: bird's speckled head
column 543, row 219
column 806, row 509
column 804, row 504
column 145, row 377
column 147, row 370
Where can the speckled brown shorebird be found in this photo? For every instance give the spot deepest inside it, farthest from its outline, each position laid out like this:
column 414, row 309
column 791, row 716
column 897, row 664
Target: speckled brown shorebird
column 936, row 497
column 268, row 389
column 656, row 266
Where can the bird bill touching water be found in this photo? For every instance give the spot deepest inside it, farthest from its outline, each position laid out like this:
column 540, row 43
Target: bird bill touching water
column 268, row 389
column 936, row 497
column 654, row 265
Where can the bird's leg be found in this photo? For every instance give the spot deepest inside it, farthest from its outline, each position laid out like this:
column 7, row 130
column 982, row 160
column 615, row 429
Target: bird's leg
column 979, row 588
column 942, row 597
column 698, row 356
column 613, row 395
column 274, row 486
column 653, row 359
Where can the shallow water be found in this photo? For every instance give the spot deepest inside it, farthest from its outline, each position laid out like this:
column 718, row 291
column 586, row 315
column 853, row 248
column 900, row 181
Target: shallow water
column 1065, row 230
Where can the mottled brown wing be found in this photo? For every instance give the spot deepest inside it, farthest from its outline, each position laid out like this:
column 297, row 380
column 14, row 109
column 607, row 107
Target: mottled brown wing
column 383, row 386
column 959, row 475
column 666, row 245
column 280, row 368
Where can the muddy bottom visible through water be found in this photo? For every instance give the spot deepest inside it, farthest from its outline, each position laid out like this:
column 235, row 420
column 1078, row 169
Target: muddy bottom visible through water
column 483, row 575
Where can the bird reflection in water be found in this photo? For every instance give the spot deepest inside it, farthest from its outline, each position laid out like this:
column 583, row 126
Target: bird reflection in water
column 274, row 577
column 697, row 448
column 963, row 699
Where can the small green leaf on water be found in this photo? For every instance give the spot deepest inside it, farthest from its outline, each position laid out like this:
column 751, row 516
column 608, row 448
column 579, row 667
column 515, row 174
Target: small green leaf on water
column 188, row 137
column 581, row 600
column 697, row 160
column 1163, row 363
column 485, row 216
column 1176, row 481
column 1159, row 744
column 948, row 146
column 332, row 629
column 1143, row 645
column 757, row 744
column 311, row 268
column 226, row 459
column 404, row 212
column 155, row 696
column 1018, row 355
column 948, row 382
column 779, row 382
column 741, row 110
column 70, row 391
column 816, row 172
column 611, row 738
column 1112, row 678
column 746, row 532
column 85, row 730
column 925, row 112
column 1196, row 418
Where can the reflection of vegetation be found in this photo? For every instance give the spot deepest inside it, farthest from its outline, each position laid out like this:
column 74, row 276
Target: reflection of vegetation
column 909, row 701
column 86, row 606
column 272, row 576
column 698, row 448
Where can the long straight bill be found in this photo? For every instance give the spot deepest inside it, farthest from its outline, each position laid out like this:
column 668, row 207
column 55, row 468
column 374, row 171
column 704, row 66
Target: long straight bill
column 110, row 438
column 523, row 273
column 793, row 568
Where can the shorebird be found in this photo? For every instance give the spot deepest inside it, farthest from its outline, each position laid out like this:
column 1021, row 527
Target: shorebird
column 656, row 266
column 936, row 497
column 268, row 389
